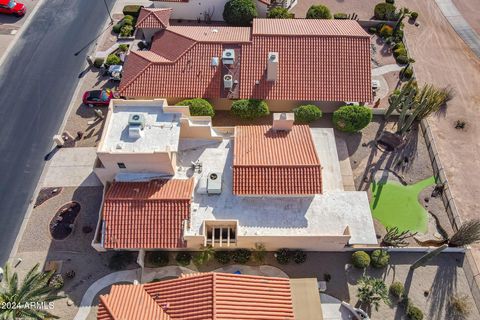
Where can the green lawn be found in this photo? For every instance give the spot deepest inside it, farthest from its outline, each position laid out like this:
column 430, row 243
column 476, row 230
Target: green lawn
column 396, row 205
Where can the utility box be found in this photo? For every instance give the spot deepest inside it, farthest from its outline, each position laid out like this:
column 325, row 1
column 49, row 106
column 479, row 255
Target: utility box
column 214, row 183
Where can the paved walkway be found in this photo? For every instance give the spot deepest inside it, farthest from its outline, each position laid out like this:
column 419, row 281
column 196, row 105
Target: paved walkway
column 461, row 26
column 72, row 167
column 151, row 274
column 385, row 69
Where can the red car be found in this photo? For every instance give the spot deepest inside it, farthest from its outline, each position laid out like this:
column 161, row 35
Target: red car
column 13, row 8
column 97, row 97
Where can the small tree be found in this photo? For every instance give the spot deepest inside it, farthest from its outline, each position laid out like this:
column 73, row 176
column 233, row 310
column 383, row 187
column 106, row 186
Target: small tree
column 385, row 11
column 33, row 289
column 352, row 118
column 239, row 12
column 280, row 13
column 250, row 109
column 467, row 234
column 319, row 12
column 198, row 107
column 372, row 291
column 307, row 113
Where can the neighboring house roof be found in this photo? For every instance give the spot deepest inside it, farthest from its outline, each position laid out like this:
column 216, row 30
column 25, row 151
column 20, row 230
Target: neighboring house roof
column 204, row 296
column 270, row 162
column 321, row 60
column 146, row 215
column 151, row 18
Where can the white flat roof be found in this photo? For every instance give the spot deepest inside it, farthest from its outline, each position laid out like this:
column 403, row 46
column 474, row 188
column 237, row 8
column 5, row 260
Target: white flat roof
column 326, row 214
column 160, row 134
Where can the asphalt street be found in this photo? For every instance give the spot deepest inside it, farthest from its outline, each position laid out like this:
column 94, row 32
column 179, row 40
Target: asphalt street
column 37, row 81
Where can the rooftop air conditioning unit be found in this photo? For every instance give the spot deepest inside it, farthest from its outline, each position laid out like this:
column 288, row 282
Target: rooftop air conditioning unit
column 214, row 183
column 228, row 81
column 228, row 56
column 136, row 123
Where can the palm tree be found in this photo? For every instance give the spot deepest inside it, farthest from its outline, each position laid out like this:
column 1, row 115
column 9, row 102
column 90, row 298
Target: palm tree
column 372, row 291
column 205, row 255
column 28, row 297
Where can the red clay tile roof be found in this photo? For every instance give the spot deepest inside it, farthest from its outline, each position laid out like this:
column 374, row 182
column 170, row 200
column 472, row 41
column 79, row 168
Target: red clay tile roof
column 150, row 18
column 321, row 60
column 212, row 296
column 148, row 215
column 268, row 162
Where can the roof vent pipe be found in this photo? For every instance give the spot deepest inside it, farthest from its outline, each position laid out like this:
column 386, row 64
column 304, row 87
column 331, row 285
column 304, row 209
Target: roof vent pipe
column 272, row 66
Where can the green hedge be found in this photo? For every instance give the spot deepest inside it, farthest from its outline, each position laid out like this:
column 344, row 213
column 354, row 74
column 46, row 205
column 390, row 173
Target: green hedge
column 241, row 256
column 132, row 10
column 222, row 257
column 198, row 107
column 340, row 16
column 280, row 13
column 401, row 59
column 239, row 12
column 183, row 258
column 319, row 12
column 385, row 11
column 112, row 59
column 307, row 113
column 360, row 259
column 352, row 118
column 250, row 109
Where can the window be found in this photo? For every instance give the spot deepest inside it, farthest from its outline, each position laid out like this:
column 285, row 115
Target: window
column 121, row 165
column 220, row 233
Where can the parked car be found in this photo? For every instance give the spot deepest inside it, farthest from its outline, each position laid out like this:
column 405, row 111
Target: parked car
column 97, row 97
column 13, row 8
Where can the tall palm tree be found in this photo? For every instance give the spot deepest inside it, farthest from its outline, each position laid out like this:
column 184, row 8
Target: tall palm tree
column 25, row 300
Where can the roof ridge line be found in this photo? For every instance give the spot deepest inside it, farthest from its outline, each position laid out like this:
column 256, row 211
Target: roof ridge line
column 279, row 165
column 138, row 74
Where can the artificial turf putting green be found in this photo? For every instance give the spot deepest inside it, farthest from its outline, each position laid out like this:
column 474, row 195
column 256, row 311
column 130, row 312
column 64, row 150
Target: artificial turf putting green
column 396, row 205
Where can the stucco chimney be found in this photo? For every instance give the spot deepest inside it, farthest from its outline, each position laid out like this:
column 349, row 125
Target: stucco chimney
column 283, row 121
column 272, row 66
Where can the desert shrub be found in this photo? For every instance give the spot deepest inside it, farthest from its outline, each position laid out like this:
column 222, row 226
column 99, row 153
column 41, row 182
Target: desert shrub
column 401, row 51
column 56, row 282
column 198, row 107
column 239, row 12
column 385, row 11
column 390, row 1
column 126, row 31
column 360, row 259
column 280, row 13
column 98, row 62
column 183, row 258
column 398, row 45
column 283, row 256
column 396, row 289
column 340, row 16
column 158, row 258
column 352, row 118
column 123, row 47
column 414, row 313
column 459, row 307
column 128, row 19
column 132, row 10
column 222, row 257
column 299, row 256
column 407, row 73
column 120, row 260
column 379, row 258
column 250, row 109
column 318, row 12
column 401, row 59
column 414, row 15
column 386, row 31
column 241, row 256
column 307, row 113
column 112, row 59
column 127, row 22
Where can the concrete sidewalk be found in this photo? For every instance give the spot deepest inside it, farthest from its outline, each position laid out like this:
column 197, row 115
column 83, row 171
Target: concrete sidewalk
column 72, row 167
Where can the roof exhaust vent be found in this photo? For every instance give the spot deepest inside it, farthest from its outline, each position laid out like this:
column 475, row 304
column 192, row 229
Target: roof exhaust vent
column 283, row 121
column 272, row 66
column 228, row 81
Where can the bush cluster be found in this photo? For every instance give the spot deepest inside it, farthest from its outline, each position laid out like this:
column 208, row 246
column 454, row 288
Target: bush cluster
column 386, row 31
column 407, row 73
column 123, row 47
column 299, row 256
column 385, row 11
column 283, row 256
column 198, row 107
column 280, row 13
column 340, row 16
column 239, row 12
column 396, row 289
column 360, row 259
column 98, row 62
column 379, row 258
column 307, row 113
column 158, row 258
column 250, row 109
column 112, row 59
column 414, row 313
column 318, row 12
column 132, row 10
column 241, row 256
column 222, row 257
column 402, row 59
column 183, row 258
column 414, row 15
column 352, row 118
column 120, row 260
column 126, row 30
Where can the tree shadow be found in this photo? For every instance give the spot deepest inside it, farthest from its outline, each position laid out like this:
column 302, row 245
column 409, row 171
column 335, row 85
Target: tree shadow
column 444, row 285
